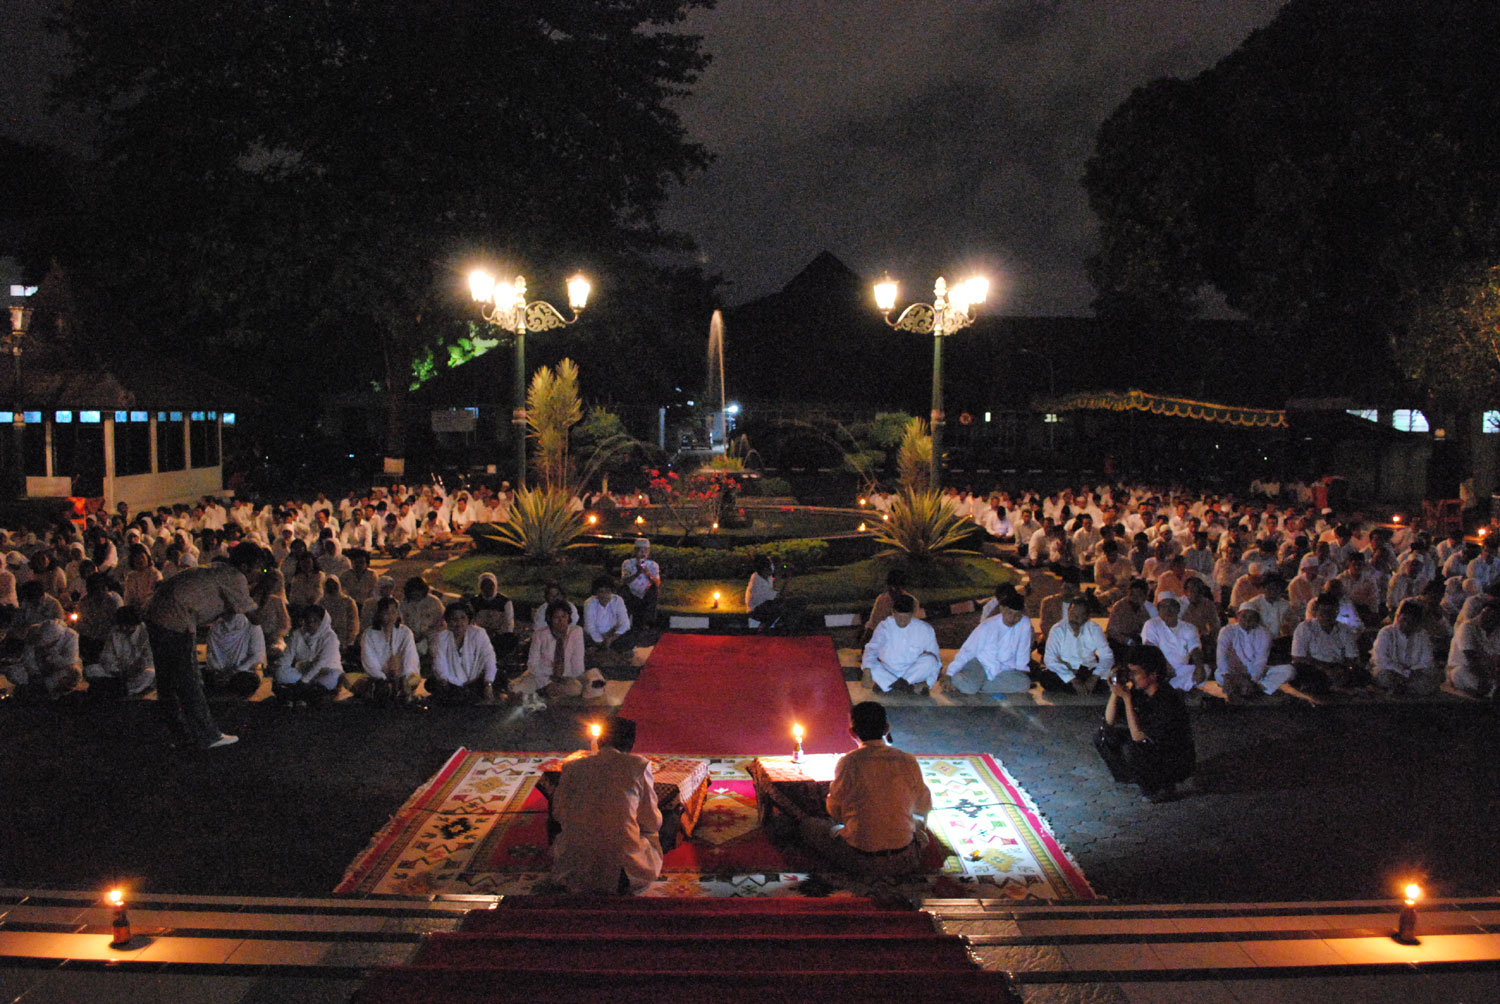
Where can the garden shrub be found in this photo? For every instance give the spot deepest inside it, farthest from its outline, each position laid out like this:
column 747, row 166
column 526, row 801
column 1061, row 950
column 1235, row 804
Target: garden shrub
column 727, row 563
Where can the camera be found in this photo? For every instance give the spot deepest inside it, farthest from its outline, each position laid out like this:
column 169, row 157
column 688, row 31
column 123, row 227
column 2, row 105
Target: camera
column 1121, row 676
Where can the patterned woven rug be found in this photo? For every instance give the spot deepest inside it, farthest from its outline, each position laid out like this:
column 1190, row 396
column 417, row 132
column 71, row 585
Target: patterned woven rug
column 479, row 826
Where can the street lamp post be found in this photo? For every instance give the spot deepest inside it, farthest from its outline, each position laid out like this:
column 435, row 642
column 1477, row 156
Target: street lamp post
column 20, row 320
column 949, row 311
column 507, row 309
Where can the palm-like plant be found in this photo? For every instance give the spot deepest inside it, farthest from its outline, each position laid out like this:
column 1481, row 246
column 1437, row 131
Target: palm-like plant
column 552, row 409
column 543, row 524
column 914, row 457
column 921, row 526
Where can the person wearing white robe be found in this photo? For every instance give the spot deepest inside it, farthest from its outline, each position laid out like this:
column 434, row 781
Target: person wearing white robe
column 903, row 649
column 1077, row 652
column 463, row 660
column 606, row 805
column 1179, row 642
column 126, row 657
column 388, row 655
column 310, row 669
column 554, row 665
column 236, row 654
column 52, row 664
column 552, row 593
column 1244, row 653
column 996, row 657
column 605, row 620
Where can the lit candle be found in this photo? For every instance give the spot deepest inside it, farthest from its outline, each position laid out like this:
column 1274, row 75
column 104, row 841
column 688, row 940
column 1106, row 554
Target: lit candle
column 797, row 735
column 120, row 926
column 1406, row 923
column 1396, row 518
column 640, row 521
column 595, row 731
column 716, row 600
column 716, row 524
column 593, row 519
column 861, row 502
column 861, row 528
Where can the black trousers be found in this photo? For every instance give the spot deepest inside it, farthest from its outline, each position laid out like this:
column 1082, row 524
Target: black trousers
column 179, row 686
column 1142, row 763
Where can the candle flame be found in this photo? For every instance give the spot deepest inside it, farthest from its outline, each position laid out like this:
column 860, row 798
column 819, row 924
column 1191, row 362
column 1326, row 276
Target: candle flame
column 640, row 520
column 117, row 897
column 716, row 524
column 861, row 528
column 1413, row 893
column 797, row 731
column 593, row 519
column 1396, row 518
column 596, row 730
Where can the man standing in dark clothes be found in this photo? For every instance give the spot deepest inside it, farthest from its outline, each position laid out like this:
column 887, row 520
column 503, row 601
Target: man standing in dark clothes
column 189, row 600
column 1154, row 748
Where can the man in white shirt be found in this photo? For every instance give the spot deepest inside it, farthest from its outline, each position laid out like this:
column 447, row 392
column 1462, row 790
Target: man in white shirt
column 903, row 651
column 1077, row 655
column 642, row 579
column 996, row 657
column 1179, row 643
column 463, row 660
column 1474, row 657
column 1402, row 660
column 877, row 805
column 605, row 619
column 605, row 804
column 1325, row 651
column 1485, row 568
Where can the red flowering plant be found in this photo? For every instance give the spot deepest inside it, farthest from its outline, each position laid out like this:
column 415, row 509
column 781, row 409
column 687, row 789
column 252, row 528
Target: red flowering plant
column 693, row 501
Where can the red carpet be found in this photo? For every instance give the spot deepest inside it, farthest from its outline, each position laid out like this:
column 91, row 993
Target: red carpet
column 719, row 695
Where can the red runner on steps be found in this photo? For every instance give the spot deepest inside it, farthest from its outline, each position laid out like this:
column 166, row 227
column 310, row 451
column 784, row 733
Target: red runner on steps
column 720, row 695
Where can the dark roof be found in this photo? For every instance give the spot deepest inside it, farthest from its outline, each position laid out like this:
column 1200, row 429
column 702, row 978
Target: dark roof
column 72, row 359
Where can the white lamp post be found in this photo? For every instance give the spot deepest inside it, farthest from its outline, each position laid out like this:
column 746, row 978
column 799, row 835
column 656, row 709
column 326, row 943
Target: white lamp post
column 949, row 311
column 506, row 308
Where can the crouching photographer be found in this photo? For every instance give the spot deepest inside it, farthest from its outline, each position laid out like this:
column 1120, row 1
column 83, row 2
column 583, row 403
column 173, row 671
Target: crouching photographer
column 1154, row 746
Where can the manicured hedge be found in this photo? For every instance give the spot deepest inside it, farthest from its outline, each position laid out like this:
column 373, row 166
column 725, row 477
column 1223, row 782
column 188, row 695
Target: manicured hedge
column 798, row 555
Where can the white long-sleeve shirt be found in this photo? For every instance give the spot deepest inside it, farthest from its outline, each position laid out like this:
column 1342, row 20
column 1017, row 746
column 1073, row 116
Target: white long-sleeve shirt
column 899, row 649
column 1252, row 649
column 462, row 664
column 998, row 646
column 378, row 645
column 599, row 619
column 1066, row 653
column 1401, row 653
column 1178, row 645
column 312, row 656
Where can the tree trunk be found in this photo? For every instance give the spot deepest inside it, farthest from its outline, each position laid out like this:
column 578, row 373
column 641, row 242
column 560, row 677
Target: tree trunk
column 397, row 380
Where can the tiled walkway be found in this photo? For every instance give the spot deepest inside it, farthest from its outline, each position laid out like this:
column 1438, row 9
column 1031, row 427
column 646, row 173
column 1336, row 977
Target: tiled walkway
column 54, row 948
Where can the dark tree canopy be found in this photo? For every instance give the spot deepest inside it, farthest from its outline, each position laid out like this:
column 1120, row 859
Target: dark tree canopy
column 1332, row 178
column 309, row 181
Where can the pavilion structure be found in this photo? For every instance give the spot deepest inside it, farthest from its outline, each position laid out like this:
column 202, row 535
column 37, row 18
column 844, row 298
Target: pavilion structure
column 92, row 420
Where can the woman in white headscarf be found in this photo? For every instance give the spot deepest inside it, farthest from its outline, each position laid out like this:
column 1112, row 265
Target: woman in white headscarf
column 236, row 654
column 310, row 669
column 271, row 612
column 1454, row 596
column 125, row 664
column 53, row 666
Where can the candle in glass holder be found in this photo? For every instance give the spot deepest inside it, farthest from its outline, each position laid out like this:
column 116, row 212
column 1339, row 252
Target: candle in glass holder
column 595, row 731
column 120, row 926
column 716, row 599
column 797, row 735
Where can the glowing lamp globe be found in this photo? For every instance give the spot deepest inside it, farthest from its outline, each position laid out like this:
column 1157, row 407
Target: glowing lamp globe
column 885, row 294
column 578, row 292
column 977, row 289
column 481, row 285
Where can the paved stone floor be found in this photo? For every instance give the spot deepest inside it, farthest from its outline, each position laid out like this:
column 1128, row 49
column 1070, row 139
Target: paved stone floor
column 1288, row 804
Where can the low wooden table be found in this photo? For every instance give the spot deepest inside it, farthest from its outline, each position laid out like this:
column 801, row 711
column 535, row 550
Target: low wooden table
column 798, row 789
column 681, row 790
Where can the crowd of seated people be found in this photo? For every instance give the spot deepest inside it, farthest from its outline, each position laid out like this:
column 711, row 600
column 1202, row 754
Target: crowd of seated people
column 1244, row 597
column 73, row 599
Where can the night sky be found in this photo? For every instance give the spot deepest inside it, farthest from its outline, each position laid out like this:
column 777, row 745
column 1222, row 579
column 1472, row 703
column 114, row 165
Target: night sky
column 924, row 137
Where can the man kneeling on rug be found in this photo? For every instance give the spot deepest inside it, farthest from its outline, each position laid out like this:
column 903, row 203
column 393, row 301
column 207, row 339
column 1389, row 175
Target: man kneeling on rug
column 877, row 804
column 606, row 805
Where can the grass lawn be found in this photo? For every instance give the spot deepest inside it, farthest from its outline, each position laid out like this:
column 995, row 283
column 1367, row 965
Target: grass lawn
column 829, row 590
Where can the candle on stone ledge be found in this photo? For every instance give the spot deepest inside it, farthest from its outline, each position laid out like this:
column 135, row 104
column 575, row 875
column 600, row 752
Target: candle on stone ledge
column 716, row 600
column 120, row 926
column 797, row 734
column 1406, row 922
column 595, row 731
